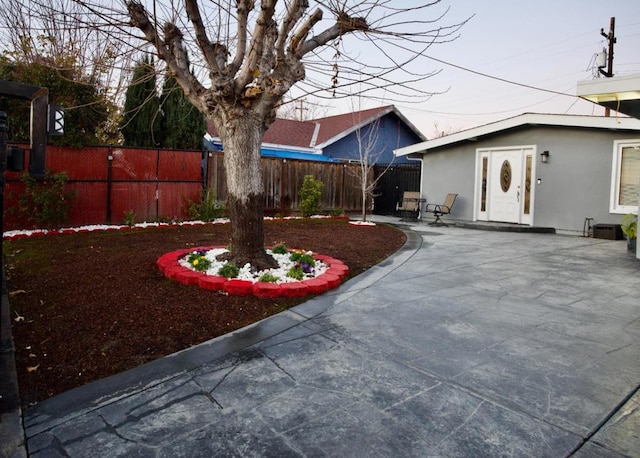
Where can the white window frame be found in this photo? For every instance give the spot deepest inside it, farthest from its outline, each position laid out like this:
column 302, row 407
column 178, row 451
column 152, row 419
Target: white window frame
column 616, row 163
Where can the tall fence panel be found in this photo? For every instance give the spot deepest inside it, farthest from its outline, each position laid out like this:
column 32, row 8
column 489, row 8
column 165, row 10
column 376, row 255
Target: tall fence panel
column 153, row 184
column 392, row 183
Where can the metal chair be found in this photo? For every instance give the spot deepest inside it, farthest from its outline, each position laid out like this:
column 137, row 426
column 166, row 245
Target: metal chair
column 439, row 210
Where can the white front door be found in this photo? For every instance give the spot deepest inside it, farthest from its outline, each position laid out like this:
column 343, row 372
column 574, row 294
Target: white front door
column 506, row 182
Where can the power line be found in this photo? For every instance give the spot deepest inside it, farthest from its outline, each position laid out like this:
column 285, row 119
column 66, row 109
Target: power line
column 497, row 78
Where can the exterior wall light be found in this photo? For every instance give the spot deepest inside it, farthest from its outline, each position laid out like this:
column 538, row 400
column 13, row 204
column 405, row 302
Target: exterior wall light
column 544, row 156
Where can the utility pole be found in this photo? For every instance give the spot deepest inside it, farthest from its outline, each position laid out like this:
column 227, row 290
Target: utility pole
column 301, row 109
column 611, row 37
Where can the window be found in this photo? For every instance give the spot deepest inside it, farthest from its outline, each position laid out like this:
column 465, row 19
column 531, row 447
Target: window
column 625, row 182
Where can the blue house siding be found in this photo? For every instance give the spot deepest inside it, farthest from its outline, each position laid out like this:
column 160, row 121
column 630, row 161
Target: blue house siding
column 393, row 133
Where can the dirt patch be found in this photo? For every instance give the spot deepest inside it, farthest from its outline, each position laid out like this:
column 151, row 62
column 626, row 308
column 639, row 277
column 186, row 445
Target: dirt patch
column 85, row 306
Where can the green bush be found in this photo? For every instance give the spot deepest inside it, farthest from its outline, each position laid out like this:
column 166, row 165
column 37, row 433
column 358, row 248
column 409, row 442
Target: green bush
column 297, row 256
column 199, row 261
column 310, row 195
column 280, row 249
column 629, row 225
column 229, row 270
column 129, row 218
column 296, row 273
column 336, row 212
column 46, row 201
column 268, row 278
column 207, row 209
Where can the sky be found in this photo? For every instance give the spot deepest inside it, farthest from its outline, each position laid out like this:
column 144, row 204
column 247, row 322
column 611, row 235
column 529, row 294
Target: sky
column 546, row 44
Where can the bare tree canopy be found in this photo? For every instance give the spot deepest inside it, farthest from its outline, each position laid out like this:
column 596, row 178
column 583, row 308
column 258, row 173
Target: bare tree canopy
column 248, row 54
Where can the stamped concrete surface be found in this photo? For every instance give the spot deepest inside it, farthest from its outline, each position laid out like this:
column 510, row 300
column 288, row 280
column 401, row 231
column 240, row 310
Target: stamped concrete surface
column 465, row 343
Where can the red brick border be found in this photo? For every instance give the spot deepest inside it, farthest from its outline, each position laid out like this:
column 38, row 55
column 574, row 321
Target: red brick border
column 336, row 272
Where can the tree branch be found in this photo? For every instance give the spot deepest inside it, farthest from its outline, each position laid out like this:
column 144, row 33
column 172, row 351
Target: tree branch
column 294, row 14
column 169, row 50
column 244, row 7
column 264, row 23
column 209, row 51
column 344, row 24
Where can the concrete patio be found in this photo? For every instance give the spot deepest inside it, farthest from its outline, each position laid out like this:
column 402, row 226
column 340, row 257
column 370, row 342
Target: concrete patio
column 464, row 343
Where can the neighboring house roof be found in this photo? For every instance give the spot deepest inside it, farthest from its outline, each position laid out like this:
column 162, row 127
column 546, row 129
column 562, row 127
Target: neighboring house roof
column 334, row 128
column 316, row 134
column 620, row 93
column 594, row 122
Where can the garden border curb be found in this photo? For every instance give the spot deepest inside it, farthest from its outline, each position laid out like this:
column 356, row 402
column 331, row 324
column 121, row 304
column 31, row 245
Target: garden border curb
column 332, row 278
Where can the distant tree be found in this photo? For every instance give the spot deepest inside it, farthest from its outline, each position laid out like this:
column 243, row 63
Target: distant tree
column 49, row 44
column 438, row 133
column 183, row 125
column 141, row 118
column 87, row 109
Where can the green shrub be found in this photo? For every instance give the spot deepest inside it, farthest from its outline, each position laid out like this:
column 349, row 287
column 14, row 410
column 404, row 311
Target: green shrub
column 310, row 195
column 301, row 257
column 229, row 270
column 296, row 273
column 207, row 209
column 280, row 249
column 336, row 212
column 199, row 262
column 629, row 224
column 46, row 201
column 129, row 218
column 268, row 278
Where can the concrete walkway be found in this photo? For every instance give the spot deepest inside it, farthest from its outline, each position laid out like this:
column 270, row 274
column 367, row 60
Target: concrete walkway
column 465, row 343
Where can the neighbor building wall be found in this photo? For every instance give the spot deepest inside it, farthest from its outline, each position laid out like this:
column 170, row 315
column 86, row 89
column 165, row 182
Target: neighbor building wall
column 392, row 134
column 574, row 184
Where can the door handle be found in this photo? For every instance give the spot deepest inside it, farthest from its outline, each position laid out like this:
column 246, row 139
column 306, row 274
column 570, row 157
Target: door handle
column 518, row 195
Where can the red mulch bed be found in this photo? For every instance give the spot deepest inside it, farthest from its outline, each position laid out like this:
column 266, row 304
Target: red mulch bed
column 89, row 305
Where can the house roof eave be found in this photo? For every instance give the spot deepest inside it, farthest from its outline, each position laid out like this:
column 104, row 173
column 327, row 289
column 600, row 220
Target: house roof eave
column 598, row 122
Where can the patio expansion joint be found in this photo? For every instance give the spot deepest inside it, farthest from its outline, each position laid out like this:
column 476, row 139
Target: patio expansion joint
column 606, row 419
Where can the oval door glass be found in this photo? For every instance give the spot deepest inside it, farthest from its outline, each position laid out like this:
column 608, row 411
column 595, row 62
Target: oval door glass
column 505, row 176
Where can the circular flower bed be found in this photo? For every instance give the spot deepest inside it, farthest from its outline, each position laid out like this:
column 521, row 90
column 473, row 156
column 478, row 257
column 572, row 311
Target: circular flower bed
column 300, row 273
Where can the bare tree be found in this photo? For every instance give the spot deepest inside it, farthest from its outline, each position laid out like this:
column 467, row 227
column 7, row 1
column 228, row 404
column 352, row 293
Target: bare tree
column 368, row 154
column 252, row 53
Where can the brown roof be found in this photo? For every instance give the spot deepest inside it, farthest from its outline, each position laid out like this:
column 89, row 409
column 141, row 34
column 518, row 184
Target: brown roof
column 333, row 126
column 290, row 132
column 303, row 133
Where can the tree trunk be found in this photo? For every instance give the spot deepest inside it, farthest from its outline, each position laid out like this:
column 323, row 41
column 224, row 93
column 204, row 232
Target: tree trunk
column 241, row 136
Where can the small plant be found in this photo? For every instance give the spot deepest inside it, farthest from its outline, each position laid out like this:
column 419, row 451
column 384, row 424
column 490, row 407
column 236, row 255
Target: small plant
column 268, row 278
column 296, row 272
column 310, row 195
column 129, row 218
column 198, row 261
column 207, row 209
column 46, row 201
column 281, row 248
column 229, row 270
column 302, row 257
column 336, row 212
column 629, row 224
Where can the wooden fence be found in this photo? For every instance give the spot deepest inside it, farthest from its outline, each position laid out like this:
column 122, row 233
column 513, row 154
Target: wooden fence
column 283, row 178
column 157, row 184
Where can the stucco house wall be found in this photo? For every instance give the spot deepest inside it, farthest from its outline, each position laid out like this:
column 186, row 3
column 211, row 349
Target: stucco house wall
column 574, row 184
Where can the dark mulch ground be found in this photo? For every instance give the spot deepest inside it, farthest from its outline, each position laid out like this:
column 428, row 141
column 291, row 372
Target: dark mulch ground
column 85, row 306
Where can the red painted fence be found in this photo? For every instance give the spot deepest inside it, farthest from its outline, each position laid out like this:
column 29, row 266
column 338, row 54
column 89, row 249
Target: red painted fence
column 155, row 184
